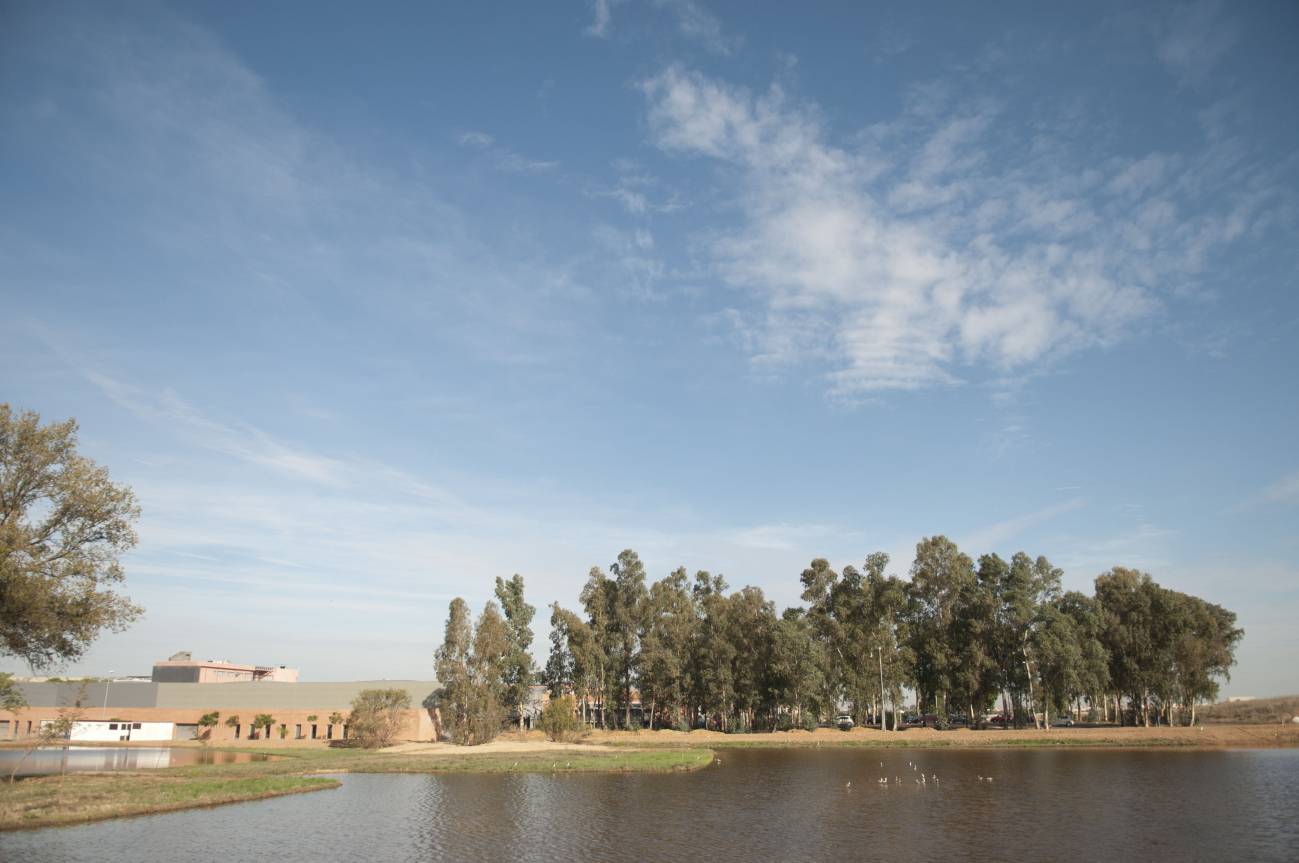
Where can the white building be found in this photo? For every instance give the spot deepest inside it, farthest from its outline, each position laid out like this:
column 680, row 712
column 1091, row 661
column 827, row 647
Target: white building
column 100, row 731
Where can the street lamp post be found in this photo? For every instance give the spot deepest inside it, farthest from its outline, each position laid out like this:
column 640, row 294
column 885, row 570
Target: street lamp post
column 108, row 681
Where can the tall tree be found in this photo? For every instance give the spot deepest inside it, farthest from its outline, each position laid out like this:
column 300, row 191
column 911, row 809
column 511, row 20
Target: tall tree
column 941, row 576
column 664, row 664
column 797, row 666
column 627, row 612
column 597, row 599
column 455, row 697
column 487, row 666
column 63, row 527
column 518, row 672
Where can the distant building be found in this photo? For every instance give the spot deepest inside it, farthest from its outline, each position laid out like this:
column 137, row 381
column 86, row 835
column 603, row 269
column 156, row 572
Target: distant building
column 301, row 712
column 183, row 668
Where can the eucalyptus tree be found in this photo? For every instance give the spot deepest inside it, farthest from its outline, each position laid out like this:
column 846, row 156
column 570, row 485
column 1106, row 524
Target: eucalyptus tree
column 1127, row 600
column 1094, row 673
column 518, row 672
column 895, row 659
column 940, row 575
column 797, row 666
column 664, row 660
column 627, row 613
column 712, row 659
column 455, row 695
column 751, row 623
column 820, row 583
column 596, row 598
column 1058, row 660
column 487, row 669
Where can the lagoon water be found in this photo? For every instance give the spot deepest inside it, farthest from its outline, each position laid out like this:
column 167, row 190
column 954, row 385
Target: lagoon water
column 75, row 759
column 757, row 805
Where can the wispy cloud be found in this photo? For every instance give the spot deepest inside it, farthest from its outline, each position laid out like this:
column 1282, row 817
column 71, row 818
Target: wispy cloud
column 1193, row 37
column 1284, row 490
column 917, row 256
column 990, row 537
column 601, row 18
column 699, row 24
column 505, row 159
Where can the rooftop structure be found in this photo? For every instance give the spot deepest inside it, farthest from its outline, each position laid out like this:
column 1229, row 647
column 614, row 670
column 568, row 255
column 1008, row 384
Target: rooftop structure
column 183, row 668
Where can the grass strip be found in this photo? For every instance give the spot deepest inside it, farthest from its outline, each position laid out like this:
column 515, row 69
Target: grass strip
column 50, row 801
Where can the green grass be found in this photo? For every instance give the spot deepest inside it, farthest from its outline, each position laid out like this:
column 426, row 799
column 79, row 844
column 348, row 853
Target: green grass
column 50, row 801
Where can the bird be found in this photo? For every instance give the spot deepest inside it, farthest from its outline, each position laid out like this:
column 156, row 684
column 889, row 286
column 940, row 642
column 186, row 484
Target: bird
column 980, row 778
column 989, row 779
column 568, row 764
column 848, row 786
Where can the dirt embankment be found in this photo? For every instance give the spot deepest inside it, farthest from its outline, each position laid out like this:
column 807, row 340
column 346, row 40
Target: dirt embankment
column 1217, row 736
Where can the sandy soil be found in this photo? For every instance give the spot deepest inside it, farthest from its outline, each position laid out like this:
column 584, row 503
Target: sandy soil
column 1225, row 736
column 510, row 743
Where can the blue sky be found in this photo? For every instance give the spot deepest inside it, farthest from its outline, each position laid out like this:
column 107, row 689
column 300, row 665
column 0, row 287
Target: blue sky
column 370, row 308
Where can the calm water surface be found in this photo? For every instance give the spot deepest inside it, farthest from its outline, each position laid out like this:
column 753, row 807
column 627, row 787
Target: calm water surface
column 98, row 759
column 757, row 805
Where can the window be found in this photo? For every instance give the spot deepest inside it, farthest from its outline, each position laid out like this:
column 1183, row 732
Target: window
column 135, row 725
column 237, row 727
column 297, row 732
column 112, row 726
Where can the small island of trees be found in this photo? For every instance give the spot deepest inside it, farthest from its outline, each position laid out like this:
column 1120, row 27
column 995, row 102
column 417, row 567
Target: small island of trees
column 960, row 636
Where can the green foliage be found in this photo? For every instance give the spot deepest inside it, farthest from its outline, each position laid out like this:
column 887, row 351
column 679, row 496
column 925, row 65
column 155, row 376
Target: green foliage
column 63, row 526
column 517, row 672
column 471, row 666
column 559, row 719
column 11, row 697
column 960, row 636
column 376, row 716
column 207, row 722
column 264, row 720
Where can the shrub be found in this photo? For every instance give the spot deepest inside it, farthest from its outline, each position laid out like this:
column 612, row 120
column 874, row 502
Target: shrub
column 559, row 720
column 376, row 716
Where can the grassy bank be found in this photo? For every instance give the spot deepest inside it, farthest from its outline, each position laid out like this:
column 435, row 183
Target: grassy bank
column 52, row 801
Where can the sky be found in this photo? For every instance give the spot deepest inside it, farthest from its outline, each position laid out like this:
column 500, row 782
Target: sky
column 371, row 306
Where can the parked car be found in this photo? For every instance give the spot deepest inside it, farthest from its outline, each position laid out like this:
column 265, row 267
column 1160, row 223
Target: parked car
column 1063, row 722
column 844, row 722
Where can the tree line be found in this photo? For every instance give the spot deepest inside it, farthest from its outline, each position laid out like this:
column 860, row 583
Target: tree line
column 959, row 636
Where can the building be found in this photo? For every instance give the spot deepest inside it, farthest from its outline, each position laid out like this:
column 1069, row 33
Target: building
column 301, row 712
column 183, row 668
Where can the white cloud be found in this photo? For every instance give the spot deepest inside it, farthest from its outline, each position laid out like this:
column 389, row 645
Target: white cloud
column 1284, row 490
column 988, row 538
column 479, row 140
column 1193, row 37
column 505, row 159
column 697, row 23
column 905, row 262
column 602, row 18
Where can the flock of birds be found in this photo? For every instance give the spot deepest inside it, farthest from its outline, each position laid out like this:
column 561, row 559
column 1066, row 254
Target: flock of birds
column 920, row 778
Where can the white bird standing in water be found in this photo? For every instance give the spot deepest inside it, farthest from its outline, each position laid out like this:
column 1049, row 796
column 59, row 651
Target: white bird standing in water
column 848, row 786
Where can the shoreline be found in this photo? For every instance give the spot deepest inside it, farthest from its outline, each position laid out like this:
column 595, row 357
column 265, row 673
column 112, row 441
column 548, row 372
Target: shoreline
column 80, row 798
column 1126, row 737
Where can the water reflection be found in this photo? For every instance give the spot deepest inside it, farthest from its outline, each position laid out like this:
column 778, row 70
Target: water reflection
column 759, row 805
column 71, row 759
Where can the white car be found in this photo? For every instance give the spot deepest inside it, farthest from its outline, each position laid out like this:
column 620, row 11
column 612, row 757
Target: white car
column 1063, row 722
column 844, row 722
